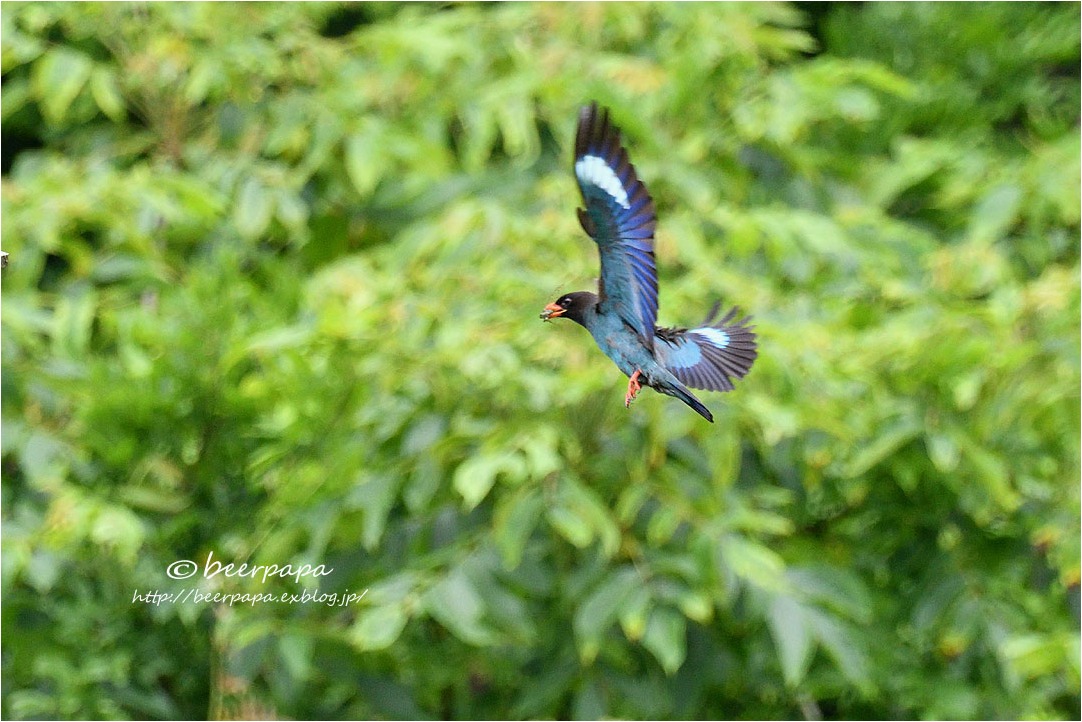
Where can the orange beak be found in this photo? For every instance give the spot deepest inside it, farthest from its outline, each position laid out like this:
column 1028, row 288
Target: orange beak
column 552, row 311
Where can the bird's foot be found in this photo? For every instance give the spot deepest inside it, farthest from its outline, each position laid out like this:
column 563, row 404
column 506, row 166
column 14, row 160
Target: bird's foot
column 633, row 387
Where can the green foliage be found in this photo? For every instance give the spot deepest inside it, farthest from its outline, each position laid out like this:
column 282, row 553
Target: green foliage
column 273, row 293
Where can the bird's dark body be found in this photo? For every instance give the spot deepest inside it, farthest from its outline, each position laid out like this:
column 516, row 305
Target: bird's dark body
column 619, row 216
column 611, row 334
column 627, row 350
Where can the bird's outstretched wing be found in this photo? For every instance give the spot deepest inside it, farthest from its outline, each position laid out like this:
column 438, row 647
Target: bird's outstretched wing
column 709, row 357
column 619, row 216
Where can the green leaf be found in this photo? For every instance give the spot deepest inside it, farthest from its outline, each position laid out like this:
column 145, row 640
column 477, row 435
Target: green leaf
column 598, row 610
column 580, row 517
column 253, row 210
column 663, row 525
column 666, row 638
column 840, row 590
column 474, row 478
column 724, row 455
column 634, row 612
column 424, row 483
column 43, row 457
column 156, row 500
column 295, row 650
column 17, row 94
column 58, row 77
column 460, row 608
column 378, row 627
column 292, row 211
column 995, row 213
column 894, row 437
column 993, row 475
column 542, row 452
column 1031, row 656
column 571, row 526
column 365, row 158
column 106, row 93
column 789, row 628
column 118, row 529
column 515, row 520
column 843, row 646
column 200, row 78
column 392, row 591
column 43, row 570
column 857, row 104
column 374, row 495
column 73, row 323
column 696, row 606
column 753, row 562
column 589, row 702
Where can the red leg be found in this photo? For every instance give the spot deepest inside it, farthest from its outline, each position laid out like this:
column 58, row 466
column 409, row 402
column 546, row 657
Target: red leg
column 633, row 387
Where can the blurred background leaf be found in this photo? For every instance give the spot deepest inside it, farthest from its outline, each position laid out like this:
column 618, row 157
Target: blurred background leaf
column 273, row 293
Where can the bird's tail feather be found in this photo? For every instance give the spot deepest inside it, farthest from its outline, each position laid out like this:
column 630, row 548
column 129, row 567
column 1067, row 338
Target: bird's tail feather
column 681, row 392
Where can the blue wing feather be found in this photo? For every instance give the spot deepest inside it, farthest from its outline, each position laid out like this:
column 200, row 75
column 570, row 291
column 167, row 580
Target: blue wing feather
column 621, row 221
column 711, row 356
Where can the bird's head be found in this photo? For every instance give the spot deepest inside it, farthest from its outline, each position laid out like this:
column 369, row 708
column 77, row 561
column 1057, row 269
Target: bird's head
column 571, row 305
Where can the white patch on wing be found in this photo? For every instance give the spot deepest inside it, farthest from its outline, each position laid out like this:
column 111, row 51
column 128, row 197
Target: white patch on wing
column 684, row 355
column 594, row 171
column 716, row 337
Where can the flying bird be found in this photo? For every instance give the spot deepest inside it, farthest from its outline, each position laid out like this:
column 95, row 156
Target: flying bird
column 620, row 217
